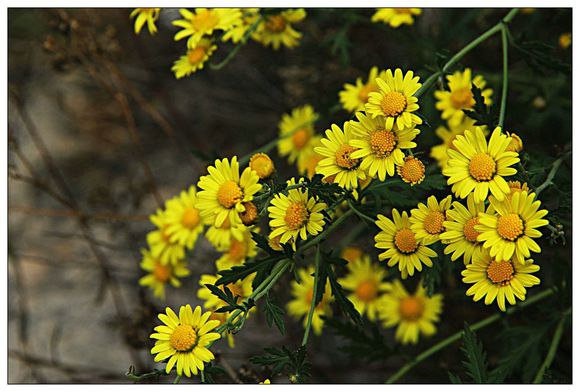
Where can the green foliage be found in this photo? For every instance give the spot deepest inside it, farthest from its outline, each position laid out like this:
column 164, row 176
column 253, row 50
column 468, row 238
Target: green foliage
column 227, row 296
column 539, row 56
column 262, row 267
column 481, row 113
column 210, row 371
column 283, row 360
column 476, row 362
column 274, row 315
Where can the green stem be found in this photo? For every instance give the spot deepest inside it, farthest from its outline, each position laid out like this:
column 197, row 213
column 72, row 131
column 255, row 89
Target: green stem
column 325, row 233
column 313, row 301
column 552, row 350
column 177, row 379
column 555, row 166
column 360, row 214
column 235, row 50
column 455, row 337
column 504, row 88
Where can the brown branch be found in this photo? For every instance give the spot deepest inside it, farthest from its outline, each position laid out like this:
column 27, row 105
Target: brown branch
column 54, row 212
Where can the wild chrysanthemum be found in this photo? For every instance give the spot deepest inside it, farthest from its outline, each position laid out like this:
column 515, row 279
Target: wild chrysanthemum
column 221, row 237
column 249, row 17
column 276, row 30
column 184, row 340
column 182, row 218
column 478, row 166
column 516, row 145
column 302, row 294
column 395, row 101
column 509, row 231
column 203, row 21
column 365, row 282
column 395, row 17
column 224, row 191
column 337, row 161
column 401, row 244
column 262, row 164
column 308, row 158
column 427, row 221
column 295, row 215
column 163, row 248
column 145, row 15
column 516, row 186
column 237, row 252
column 355, row 96
column 296, row 131
column 414, row 314
column 460, row 233
column 499, row 280
column 379, row 148
column 412, row 171
column 194, row 59
column 448, row 135
column 452, row 103
column 159, row 275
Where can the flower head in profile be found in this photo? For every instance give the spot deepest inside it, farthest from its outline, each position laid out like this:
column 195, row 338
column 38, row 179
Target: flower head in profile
column 460, row 97
column 302, row 294
column 395, row 17
column 516, row 145
column 427, row 221
column 480, row 166
column 296, row 132
column 145, row 15
column 447, row 134
column 237, row 252
column 262, row 164
column 163, row 248
column 509, row 232
column 204, row 21
column 401, row 244
column 379, row 148
column 395, row 100
column 338, row 162
column 355, row 96
column 182, row 218
column 221, row 237
column 295, row 215
column 413, row 314
column 499, row 280
column 277, row 30
column 194, row 59
column 236, row 33
column 159, row 275
column 183, row 340
column 365, row 281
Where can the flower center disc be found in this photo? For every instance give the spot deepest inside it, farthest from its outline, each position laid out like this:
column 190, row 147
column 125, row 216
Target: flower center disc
column 393, row 103
column 482, row 167
column 433, row 223
column 194, row 56
column 183, row 338
column 204, row 21
column 405, row 241
column 469, row 229
column 411, row 308
column 383, row 143
column 162, row 273
column 343, row 158
column 229, row 194
column 500, row 272
column 462, row 98
column 190, row 218
column 367, row 290
column 412, row 170
column 276, row 24
column 300, row 138
column 510, row 226
column 296, row 215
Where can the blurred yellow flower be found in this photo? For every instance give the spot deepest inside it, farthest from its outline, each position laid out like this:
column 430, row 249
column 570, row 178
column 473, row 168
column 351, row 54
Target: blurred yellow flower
column 159, row 275
column 277, row 30
column 395, row 17
column 194, row 59
column 145, row 15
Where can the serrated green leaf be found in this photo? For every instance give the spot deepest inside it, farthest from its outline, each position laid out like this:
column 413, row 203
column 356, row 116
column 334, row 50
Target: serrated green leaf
column 475, row 363
column 274, row 315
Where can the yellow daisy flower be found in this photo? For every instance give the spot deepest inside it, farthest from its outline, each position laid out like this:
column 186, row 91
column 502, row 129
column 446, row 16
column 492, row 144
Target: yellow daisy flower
column 365, row 281
column 203, row 21
column 295, row 214
column 351, row 253
column 413, row 314
column 277, row 30
column 221, row 237
column 460, row 233
column 395, row 17
column 194, row 59
column 238, row 252
column 478, row 166
column 184, row 340
column 412, row 171
column 380, row 148
column 448, row 135
column 516, row 186
column 516, row 145
column 427, row 221
column 302, row 293
column 508, row 233
column 296, row 132
column 159, row 275
column 459, row 98
column 182, row 218
column 565, row 40
column 224, row 191
column 249, row 17
column 401, row 244
column 337, row 160
column 355, row 96
column 308, row 158
column 395, row 101
column 145, row 15
column 499, row 280
column 163, row 248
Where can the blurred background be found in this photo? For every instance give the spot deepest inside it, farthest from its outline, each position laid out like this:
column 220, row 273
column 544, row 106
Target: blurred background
column 101, row 132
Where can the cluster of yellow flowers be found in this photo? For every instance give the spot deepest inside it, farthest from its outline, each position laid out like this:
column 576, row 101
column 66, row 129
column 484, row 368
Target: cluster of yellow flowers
column 235, row 24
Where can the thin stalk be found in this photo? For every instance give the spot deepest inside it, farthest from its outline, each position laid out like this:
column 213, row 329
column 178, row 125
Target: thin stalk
column 235, row 50
column 360, row 214
column 555, row 166
column 455, row 337
column 552, row 350
column 313, row 301
column 504, row 88
column 177, row 379
column 325, row 233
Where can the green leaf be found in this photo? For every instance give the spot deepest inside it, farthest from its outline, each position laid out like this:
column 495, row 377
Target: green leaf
column 210, row 371
column 480, row 112
column 455, row 379
column 262, row 267
column 274, row 315
column 294, row 363
column 475, row 363
column 227, row 296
